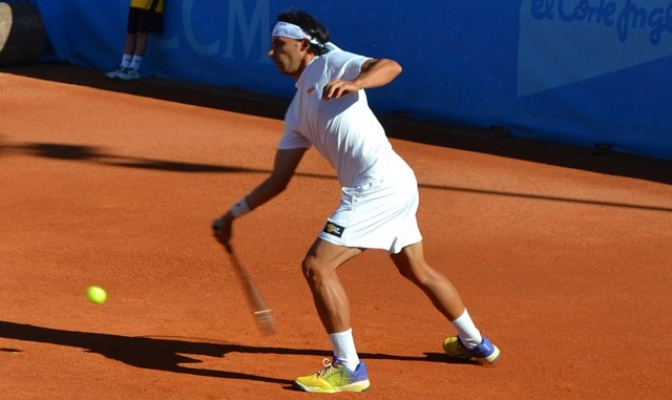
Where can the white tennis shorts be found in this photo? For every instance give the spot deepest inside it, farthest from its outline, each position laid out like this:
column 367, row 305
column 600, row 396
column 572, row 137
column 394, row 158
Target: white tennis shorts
column 379, row 214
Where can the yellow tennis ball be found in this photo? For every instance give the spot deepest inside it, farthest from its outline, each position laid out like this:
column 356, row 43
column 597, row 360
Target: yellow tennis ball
column 96, row 294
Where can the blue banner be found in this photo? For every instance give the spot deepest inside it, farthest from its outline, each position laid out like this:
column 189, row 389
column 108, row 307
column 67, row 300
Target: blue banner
column 573, row 71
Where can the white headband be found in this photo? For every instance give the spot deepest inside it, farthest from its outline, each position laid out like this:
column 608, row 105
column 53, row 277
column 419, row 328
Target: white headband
column 285, row 29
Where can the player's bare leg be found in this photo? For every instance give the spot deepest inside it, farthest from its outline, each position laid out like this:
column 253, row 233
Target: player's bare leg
column 319, row 269
column 410, row 262
column 468, row 344
column 345, row 372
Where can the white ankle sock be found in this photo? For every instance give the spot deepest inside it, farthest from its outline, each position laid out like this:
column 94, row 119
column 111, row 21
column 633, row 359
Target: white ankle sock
column 126, row 60
column 344, row 348
column 135, row 62
column 466, row 330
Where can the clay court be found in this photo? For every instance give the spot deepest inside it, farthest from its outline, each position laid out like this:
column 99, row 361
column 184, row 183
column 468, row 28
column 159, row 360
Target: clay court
column 562, row 255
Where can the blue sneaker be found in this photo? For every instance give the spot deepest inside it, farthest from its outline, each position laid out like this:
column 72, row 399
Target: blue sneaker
column 485, row 353
column 333, row 378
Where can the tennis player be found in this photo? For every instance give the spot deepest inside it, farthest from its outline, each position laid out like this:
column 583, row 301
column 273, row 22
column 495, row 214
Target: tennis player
column 379, row 195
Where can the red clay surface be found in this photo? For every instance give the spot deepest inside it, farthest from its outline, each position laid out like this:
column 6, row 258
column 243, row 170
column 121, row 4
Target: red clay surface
column 562, row 257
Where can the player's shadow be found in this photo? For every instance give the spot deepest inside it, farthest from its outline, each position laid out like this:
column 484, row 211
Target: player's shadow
column 98, row 156
column 170, row 354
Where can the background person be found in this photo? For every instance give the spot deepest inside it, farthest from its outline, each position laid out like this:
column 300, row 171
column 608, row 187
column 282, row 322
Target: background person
column 144, row 17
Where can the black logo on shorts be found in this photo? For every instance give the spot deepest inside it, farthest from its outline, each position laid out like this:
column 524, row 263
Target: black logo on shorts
column 333, row 229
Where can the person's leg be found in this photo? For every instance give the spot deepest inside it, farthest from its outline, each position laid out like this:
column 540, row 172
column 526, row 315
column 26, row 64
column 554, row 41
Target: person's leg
column 126, row 58
column 136, row 44
column 129, row 45
column 141, row 22
column 333, row 308
column 331, row 302
column 129, row 48
column 139, row 50
column 131, row 37
column 140, row 44
column 410, row 262
column 319, row 268
column 147, row 22
column 469, row 343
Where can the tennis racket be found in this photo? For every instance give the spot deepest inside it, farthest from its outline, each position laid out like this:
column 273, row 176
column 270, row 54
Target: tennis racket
column 260, row 310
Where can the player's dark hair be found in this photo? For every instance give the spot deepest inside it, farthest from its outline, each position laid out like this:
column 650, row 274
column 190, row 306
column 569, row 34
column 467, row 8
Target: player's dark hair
column 310, row 25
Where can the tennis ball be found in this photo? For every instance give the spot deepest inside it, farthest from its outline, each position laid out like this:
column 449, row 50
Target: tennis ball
column 96, row 294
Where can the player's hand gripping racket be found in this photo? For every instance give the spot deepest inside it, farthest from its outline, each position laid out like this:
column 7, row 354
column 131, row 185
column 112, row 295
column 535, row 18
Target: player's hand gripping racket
column 261, row 312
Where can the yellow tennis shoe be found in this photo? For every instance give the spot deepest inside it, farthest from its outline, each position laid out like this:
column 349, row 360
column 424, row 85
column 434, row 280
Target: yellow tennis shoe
column 333, row 378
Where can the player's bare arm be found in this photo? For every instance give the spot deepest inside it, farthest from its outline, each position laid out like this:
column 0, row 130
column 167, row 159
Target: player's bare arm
column 375, row 73
column 284, row 167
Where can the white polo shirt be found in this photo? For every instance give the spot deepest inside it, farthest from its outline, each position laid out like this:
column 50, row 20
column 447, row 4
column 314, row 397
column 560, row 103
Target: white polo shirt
column 345, row 131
